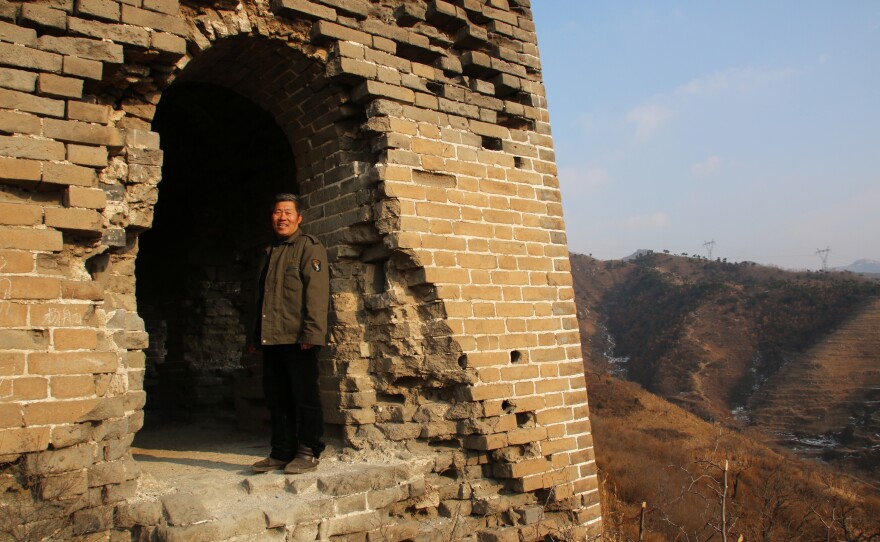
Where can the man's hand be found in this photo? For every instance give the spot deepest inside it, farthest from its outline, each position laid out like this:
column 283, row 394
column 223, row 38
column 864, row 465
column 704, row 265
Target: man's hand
column 305, row 346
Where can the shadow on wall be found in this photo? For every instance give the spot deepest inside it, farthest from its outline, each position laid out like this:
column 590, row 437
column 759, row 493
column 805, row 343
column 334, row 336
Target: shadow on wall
column 224, row 159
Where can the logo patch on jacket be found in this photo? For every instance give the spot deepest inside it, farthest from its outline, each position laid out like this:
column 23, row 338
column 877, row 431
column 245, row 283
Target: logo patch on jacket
column 316, row 265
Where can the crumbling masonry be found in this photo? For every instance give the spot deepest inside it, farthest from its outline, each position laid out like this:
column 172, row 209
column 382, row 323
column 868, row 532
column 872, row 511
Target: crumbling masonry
column 417, row 132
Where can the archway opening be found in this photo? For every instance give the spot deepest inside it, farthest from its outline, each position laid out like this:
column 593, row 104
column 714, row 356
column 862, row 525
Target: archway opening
column 224, row 158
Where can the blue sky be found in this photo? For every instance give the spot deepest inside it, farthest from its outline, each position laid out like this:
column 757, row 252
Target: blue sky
column 756, row 124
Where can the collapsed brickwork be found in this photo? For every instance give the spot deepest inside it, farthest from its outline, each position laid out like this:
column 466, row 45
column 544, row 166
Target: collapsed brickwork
column 417, row 133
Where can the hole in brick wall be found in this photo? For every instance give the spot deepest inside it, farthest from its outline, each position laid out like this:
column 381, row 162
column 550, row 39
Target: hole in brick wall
column 394, row 398
column 491, row 143
column 508, row 406
column 224, row 158
column 413, row 382
column 518, row 162
column 515, row 356
column 525, row 419
column 378, row 282
column 516, row 123
column 97, row 265
column 434, row 87
column 463, row 361
column 452, row 444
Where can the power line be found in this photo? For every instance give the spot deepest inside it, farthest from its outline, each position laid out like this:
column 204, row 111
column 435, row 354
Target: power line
column 823, row 253
column 709, row 245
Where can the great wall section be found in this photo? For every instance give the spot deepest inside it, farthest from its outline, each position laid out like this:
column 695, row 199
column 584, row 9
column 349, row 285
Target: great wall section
column 418, row 135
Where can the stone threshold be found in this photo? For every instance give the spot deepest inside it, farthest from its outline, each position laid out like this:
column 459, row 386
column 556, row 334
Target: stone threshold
column 196, row 485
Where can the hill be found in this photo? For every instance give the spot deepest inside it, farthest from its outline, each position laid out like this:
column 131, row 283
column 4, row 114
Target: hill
column 743, row 344
column 649, row 450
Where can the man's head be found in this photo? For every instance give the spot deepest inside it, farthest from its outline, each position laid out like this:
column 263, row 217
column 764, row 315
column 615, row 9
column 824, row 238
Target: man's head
column 286, row 216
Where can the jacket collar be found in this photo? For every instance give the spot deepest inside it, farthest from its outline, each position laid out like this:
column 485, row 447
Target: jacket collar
column 297, row 234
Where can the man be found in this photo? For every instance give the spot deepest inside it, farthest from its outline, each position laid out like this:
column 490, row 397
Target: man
column 293, row 299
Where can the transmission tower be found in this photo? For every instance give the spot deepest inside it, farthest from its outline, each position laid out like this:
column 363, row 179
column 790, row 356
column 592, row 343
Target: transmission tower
column 709, row 245
column 823, row 253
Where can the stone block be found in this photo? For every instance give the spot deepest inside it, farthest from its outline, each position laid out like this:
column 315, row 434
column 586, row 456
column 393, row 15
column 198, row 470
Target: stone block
column 87, row 112
column 73, row 386
column 324, row 31
column 168, row 43
column 88, row 198
column 11, row 415
column 44, row 17
column 18, row 80
column 12, row 122
column 28, row 239
column 12, row 314
column 13, row 169
column 20, row 215
column 74, row 339
column 59, row 461
column 12, row 363
column 203, row 532
column 57, row 86
column 410, row 13
column 93, row 520
column 56, row 363
column 22, row 339
column 371, row 90
column 141, row 139
column 60, row 412
column 142, row 174
column 354, row 523
column 151, row 19
column 170, row 7
column 18, row 440
column 183, row 509
column 87, row 155
column 68, row 175
column 145, row 512
column 114, row 237
column 80, row 132
column 98, row 9
column 109, row 472
column 147, row 157
column 303, row 8
column 64, row 486
column 16, row 34
column 12, row 99
column 90, row 49
column 81, row 67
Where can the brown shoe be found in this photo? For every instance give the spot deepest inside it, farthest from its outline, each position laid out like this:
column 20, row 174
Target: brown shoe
column 301, row 464
column 268, row 464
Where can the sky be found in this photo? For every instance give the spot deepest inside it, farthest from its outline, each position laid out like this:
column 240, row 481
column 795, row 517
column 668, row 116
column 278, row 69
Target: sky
column 753, row 124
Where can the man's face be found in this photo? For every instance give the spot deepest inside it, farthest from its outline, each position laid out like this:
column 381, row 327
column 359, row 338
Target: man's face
column 285, row 219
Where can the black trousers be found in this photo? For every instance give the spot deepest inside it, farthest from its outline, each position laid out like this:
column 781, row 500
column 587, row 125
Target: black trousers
column 290, row 383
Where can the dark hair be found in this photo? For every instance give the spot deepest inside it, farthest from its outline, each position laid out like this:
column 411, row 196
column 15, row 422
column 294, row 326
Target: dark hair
column 286, row 196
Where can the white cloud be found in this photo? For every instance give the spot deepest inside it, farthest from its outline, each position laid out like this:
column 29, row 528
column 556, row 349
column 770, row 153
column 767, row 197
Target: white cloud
column 655, row 221
column 745, row 79
column 706, row 167
column 648, row 119
column 580, row 180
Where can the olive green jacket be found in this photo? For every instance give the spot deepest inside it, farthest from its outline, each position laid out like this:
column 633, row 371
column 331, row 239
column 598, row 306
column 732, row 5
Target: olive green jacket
column 296, row 295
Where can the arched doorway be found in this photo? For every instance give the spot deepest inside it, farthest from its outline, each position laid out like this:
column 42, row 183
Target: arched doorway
column 224, row 157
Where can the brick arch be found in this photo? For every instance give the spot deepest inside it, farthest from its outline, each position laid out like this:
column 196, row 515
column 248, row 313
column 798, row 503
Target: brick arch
column 422, row 140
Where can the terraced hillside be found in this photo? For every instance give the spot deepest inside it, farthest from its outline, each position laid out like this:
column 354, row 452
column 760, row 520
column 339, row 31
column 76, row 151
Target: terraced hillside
column 832, row 389
column 788, row 353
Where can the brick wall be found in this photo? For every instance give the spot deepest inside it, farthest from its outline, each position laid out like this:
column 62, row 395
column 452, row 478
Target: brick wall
column 422, row 145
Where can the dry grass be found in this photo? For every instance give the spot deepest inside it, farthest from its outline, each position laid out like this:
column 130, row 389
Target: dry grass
column 650, row 450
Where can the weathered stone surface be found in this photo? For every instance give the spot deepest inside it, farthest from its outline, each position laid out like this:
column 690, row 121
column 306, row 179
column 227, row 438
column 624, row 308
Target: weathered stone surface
column 416, row 132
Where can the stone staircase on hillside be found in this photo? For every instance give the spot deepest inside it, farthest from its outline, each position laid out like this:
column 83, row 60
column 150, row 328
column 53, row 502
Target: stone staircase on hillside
column 822, row 390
